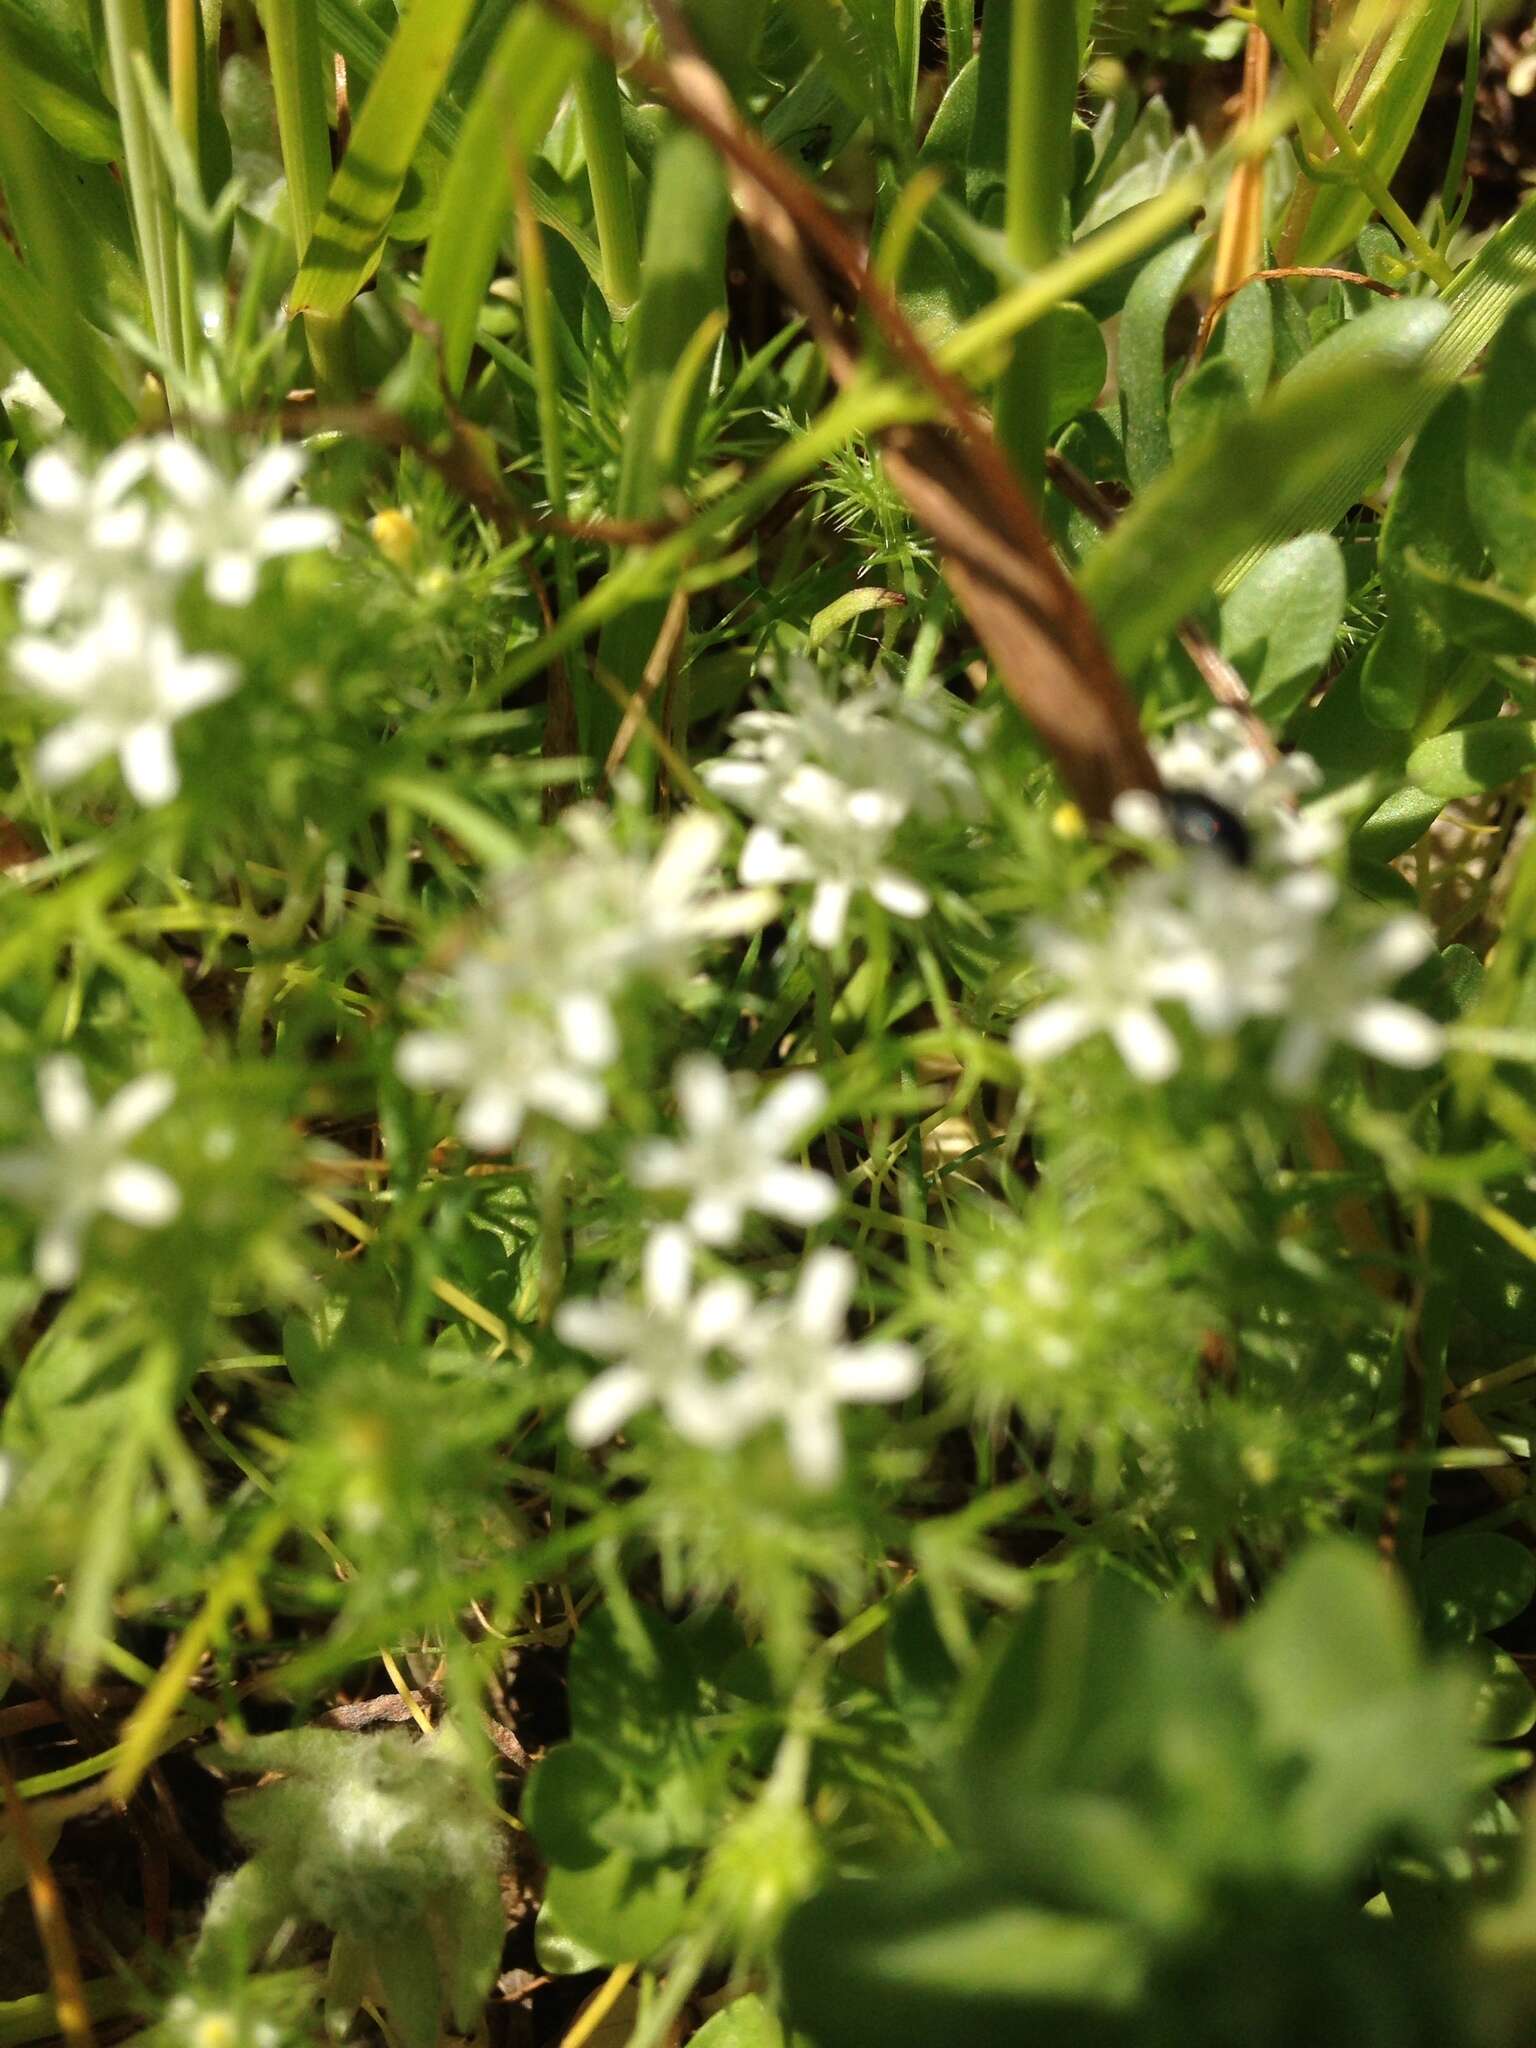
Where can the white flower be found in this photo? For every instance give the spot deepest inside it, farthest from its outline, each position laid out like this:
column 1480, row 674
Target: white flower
column 228, row 530
column 1114, row 981
column 1215, row 758
column 85, row 1169
column 830, row 782
column 81, row 531
column 797, row 1368
column 533, row 995
column 732, row 1160
column 511, row 1056
column 836, row 838
column 1227, row 943
column 664, row 1346
column 1338, row 997
column 128, row 679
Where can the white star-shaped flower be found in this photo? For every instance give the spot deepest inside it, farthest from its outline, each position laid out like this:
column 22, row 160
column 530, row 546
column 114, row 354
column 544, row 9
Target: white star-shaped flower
column 85, row 1170
column 731, row 1160
column 534, row 1027
column 228, row 530
column 1113, row 980
column 1339, row 997
column 665, row 1345
column 836, row 838
column 1214, row 758
column 798, row 1368
column 127, row 679
column 80, row 531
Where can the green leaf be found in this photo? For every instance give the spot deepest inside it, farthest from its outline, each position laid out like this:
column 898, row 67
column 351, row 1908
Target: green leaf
column 1473, row 1582
column 1474, row 757
column 1143, row 344
column 1505, row 1707
column 1202, row 407
column 621, row 1909
column 1502, row 459
column 558, row 1951
column 569, row 1794
column 744, row 2023
column 69, row 359
column 406, row 1965
column 349, row 236
column 51, row 74
column 1280, row 624
column 1170, row 550
column 528, row 74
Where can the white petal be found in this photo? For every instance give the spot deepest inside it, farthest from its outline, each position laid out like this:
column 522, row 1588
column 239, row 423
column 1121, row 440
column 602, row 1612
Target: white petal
column 187, row 684
column 1393, row 1032
column 603, row 1407
column 824, row 1292
column 587, row 1030
column 718, row 1312
column 432, row 1059
column 815, row 1444
column 687, row 854
column 608, row 1328
column 56, row 1257
column 571, row 1099
column 829, row 914
column 795, row 1194
column 789, row 1110
column 875, row 1372
column 767, row 857
column 70, row 750
column 900, row 895
column 231, row 577
column 173, row 544
column 297, row 531
column 703, row 1412
column 1402, row 944
column 149, row 764
column 714, row 1218
column 65, row 1099
column 704, row 1094
column 189, row 477
column 140, row 1194
column 271, row 476
column 491, row 1116
column 1146, row 1044
column 136, row 1105
column 1051, row 1030
column 656, row 1163
column 667, row 1269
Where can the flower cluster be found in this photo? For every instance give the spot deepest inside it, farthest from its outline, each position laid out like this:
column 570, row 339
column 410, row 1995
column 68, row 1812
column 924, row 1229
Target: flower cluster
column 101, row 556
column 721, row 1365
column 1233, row 942
column 830, row 782
column 532, row 1025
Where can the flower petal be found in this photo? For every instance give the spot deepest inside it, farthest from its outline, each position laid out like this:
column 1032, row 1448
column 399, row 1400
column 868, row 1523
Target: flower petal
column 789, row 1110
column 68, row 1110
column 704, row 1094
column 1146, row 1044
column 824, row 1292
column 140, row 1194
column 795, row 1194
column 1051, row 1030
column 1393, row 1032
column 605, row 1404
column 667, row 1269
column 135, row 1106
column 149, row 763
column 875, row 1372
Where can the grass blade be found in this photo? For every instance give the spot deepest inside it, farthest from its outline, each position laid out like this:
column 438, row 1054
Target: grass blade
column 347, row 239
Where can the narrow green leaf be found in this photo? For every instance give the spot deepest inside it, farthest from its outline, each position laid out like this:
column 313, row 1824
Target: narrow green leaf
column 1501, row 461
column 344, row 249
column 529, row 73
column 1143, row 374
column 298, row 84
column 1171, row 550
column 50, row 73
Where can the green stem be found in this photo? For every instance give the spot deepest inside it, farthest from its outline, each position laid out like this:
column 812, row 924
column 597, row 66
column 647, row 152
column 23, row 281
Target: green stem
column 602, row 137
column 186, row 55
column 959, row 34
column 128, row 37
column 1364, row 173
column 1042, row 85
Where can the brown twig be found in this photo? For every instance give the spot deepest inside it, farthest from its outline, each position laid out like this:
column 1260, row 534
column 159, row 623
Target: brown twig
column 53, row 1930
column 1278, row 275
column 658, row 667
column 1039, row 633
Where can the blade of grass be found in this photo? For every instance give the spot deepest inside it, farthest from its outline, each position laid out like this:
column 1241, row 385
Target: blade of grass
column 602, row 136
column 49, row 73
column 528, row 75
column 298, row 86
column 127, row 33
column 348, row 237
